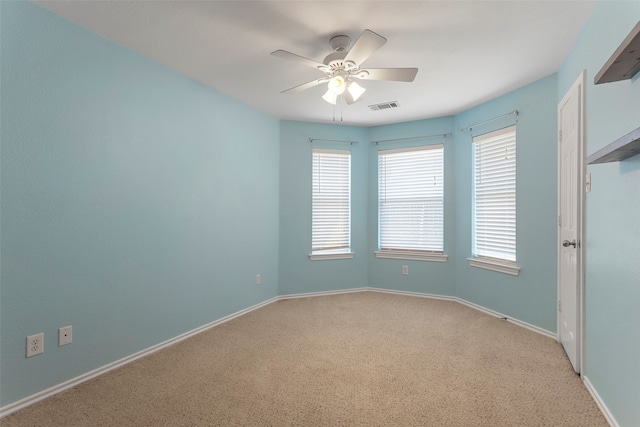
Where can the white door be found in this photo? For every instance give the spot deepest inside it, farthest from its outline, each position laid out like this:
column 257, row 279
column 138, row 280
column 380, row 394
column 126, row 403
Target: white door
column 570, row 172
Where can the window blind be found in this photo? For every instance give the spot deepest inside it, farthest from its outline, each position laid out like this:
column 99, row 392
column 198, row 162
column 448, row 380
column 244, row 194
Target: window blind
column 494, row 195
column 331, row 211
column 411, row 199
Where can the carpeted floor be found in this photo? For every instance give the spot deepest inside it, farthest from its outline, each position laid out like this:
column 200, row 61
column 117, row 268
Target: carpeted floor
column 363, row 358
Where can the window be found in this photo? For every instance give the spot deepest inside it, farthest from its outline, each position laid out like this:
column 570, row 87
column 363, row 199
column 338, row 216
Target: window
column 411, row 203
column 494, row 201
column 331, row 205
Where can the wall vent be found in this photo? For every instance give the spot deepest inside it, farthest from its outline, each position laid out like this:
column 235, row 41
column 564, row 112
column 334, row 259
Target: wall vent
column 384, row 106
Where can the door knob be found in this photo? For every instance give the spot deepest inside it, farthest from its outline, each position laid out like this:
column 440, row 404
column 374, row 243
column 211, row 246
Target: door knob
column 567, row 243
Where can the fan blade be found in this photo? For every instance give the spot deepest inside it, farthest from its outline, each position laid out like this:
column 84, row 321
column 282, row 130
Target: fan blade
column 305, row 86
column 391, row 74
column 363, row 48
column 297, row 58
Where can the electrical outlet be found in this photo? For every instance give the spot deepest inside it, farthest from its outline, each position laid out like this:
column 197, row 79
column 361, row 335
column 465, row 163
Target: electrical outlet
column 65, row 335
column 35, row 344
column 405, row 270
column 257, row 279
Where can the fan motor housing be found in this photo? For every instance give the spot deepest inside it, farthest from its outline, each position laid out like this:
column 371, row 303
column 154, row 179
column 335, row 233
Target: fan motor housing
column 335, row 61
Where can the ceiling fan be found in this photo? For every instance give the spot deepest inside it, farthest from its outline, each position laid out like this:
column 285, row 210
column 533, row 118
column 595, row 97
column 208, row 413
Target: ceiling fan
column 343, row 65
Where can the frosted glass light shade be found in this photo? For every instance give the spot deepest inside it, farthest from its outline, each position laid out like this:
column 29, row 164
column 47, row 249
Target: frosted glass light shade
column 330, row 97
column 337, row 85
column 355, row 90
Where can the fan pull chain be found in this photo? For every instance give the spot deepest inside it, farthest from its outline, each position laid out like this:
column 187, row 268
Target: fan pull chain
column 334, row 110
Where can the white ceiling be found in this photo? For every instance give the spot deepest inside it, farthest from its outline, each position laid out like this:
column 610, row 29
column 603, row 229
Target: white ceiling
column 467, row 52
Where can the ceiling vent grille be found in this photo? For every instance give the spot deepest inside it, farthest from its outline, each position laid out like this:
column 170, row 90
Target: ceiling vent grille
column 384, row 106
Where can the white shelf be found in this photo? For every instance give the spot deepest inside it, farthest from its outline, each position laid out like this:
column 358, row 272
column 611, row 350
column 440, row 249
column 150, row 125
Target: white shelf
column 625, row 62
column 618, row 150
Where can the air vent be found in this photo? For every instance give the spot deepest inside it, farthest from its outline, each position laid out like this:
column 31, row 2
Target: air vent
column 384, row 106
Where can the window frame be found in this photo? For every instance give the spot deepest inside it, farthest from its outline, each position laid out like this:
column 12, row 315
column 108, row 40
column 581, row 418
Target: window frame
column 484, row 257
column 341, row 252
column 433, row 254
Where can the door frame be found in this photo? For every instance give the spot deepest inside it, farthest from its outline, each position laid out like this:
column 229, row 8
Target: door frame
column 581, row 170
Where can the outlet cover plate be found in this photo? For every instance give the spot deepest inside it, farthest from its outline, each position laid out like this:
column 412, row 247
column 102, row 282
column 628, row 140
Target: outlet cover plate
column 35, row 344
column 65, row 335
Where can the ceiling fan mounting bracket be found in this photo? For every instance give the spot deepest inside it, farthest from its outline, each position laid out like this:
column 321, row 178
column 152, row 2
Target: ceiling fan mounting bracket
column 340, row 43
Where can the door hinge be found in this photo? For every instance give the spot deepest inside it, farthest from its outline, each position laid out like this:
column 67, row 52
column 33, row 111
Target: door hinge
column 560, row 135
column 559, row 306
column 559, row 220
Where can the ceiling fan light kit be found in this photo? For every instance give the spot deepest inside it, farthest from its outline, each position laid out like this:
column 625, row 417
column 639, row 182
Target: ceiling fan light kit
column 343, row 65
column 337, row 86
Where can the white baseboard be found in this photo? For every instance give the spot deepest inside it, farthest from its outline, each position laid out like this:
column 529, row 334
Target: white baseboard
column 30, row 400
column 485, row 310
column 594, row 394
column 22, row 403
column 412, row 294
column 518, row 322
column 320, row 294
column 603, row 408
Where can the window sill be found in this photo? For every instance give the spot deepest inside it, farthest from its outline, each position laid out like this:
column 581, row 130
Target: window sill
column 505, row 267
column 321, row 256
column 412, row 255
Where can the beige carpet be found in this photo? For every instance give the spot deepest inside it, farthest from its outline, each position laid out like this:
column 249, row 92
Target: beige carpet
column 353, row 359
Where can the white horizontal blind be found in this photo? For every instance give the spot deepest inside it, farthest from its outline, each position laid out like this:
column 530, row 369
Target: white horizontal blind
column 494, row 195
column 331, row 211
column 411, row 198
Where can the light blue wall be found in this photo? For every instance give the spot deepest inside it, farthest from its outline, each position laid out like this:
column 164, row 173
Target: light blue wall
column 530, row 296
column 612, row 227
column 137, row 204
column 424, row 277
column 298, row 274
